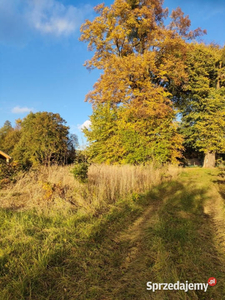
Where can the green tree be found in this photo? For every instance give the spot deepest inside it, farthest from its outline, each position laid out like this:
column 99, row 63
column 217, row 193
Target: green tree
column 6, row 128
column 102, row 136
column 204, row 101
column 118, row 135
column 44, row 139
column 4, row 131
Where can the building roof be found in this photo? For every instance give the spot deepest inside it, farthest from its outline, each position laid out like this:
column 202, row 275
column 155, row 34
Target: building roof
column 5, row 155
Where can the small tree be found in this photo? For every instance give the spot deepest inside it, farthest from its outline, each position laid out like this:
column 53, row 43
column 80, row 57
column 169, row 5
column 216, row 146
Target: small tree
column 80, row 171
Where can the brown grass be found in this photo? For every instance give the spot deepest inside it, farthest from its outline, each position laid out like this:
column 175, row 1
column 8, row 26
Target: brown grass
column 55, row 186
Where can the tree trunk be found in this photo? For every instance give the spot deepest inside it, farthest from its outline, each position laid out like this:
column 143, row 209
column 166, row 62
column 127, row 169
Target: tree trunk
column 209, row 160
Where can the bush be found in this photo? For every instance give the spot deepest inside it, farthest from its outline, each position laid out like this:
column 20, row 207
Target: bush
column 8, row 172
column 80, row 171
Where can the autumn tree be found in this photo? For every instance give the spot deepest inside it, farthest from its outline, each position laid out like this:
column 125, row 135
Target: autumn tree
column 203, row 122
column 142, row 61
column 45, row 139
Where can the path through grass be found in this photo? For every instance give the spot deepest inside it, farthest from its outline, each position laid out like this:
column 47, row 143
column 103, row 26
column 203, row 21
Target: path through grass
column 175, row 232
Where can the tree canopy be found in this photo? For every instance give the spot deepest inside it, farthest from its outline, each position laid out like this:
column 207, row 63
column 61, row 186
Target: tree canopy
column 203, row 122
column 117, row 135
column 40, row 138
column 139, row 54
column 143, row 62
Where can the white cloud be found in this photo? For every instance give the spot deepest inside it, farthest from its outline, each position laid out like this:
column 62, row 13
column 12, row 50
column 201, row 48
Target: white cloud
column 55, row 18
column 86, row 124
column 20, row 18
column 21, row 110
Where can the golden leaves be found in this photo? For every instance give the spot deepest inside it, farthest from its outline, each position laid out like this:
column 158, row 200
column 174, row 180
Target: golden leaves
column 142, row 62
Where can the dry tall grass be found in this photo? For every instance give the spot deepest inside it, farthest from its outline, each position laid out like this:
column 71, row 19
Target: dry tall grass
column 55, row 186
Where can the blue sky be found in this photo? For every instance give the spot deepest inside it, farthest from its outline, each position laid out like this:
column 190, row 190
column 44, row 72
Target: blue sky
column 41, row 59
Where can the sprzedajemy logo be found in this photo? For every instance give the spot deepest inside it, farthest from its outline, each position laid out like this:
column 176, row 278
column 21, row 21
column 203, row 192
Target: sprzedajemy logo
column 181, row 286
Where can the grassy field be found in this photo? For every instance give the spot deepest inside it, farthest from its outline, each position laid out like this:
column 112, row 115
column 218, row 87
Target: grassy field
column 106, row 239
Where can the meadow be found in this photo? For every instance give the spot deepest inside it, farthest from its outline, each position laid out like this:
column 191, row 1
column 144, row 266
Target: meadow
column 106, row 238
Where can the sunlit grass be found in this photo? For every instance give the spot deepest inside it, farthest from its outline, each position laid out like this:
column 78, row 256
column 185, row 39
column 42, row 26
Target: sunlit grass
column 165, row 234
